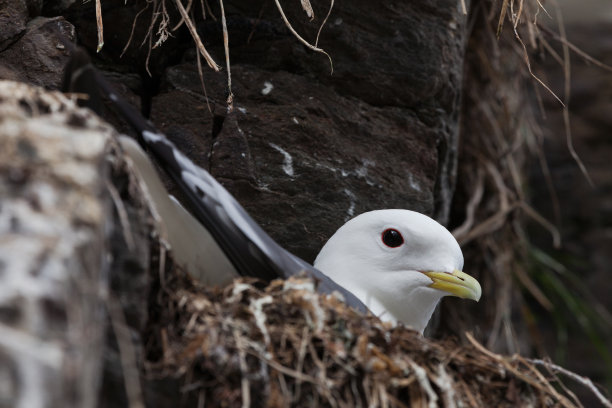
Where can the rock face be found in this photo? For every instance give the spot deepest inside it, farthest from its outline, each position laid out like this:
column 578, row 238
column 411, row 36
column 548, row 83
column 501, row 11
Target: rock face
column 37, row 55
column 12, row 21
column 52, row 263
column 73, row 223
column 304, row 150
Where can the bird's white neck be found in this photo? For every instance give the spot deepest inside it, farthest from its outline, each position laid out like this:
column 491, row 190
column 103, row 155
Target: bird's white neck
column 413, row 308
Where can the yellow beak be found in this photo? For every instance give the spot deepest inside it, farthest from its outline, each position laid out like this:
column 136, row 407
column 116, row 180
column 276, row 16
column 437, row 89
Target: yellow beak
column 457, row 284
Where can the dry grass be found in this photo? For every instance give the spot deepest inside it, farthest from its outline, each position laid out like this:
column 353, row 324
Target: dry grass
column 160, row 23
column 501, row 135
column 284, row 345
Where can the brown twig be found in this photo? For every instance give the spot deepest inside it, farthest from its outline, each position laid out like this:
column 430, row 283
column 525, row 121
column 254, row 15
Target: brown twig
column 580, row 379
column 129, row 41
column 230, row 95
column 331, row 6
column 196, row 37
column 303, row 41
column 567, row 90
column 182, row 20
column 123, row 217
column 127, row 353
column 100, row 26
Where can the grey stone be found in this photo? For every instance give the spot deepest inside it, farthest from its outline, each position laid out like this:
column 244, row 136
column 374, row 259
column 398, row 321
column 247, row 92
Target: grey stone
column 38, row 56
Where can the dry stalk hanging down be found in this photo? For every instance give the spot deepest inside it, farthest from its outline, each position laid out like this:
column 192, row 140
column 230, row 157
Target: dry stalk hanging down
column 499, row 132
column 159, row 10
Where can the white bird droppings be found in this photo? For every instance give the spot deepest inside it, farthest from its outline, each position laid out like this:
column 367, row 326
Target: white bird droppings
column 315, row 315
column 413, row 183
column 268, row 87
column 351, row 196
column 287, row 160
column 256, row 308
column 363, row 170
column 237, row 290
column 421, row 376
column 359, row 172
column 447, row 386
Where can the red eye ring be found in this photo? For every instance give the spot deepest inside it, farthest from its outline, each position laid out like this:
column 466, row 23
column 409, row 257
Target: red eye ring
column 392, row 238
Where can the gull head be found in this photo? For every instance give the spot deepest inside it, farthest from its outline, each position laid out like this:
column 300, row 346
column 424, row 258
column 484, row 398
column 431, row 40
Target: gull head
column 400, row 263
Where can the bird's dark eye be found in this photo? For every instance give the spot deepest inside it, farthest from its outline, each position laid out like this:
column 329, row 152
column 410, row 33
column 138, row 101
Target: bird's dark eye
column 392, row 238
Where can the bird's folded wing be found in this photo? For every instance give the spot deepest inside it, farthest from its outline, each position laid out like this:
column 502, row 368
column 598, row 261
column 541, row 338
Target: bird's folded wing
column 249, row 249
column 192, row 245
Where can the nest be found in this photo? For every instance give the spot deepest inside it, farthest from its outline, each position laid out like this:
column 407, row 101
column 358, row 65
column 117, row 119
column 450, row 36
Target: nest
column 286, row 345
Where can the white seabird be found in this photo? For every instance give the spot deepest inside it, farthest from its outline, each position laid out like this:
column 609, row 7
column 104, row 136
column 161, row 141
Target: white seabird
column 396, row 263
column 400, row 263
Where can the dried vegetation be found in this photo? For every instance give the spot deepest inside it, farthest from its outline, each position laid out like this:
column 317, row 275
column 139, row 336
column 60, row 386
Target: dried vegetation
column 284, row 345
column 500, row 136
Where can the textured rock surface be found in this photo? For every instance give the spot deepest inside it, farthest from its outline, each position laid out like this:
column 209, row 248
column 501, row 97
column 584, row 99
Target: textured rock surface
column 305, row 150
column 73, row 221
column 319, row 148
column 38, row 56
column 13, row 20
column 52, row 263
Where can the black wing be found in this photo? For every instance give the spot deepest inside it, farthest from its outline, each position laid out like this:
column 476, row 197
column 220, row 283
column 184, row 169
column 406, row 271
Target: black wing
column 248, row 247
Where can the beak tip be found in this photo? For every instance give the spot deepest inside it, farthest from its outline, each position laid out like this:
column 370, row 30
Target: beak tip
column 478, row 291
